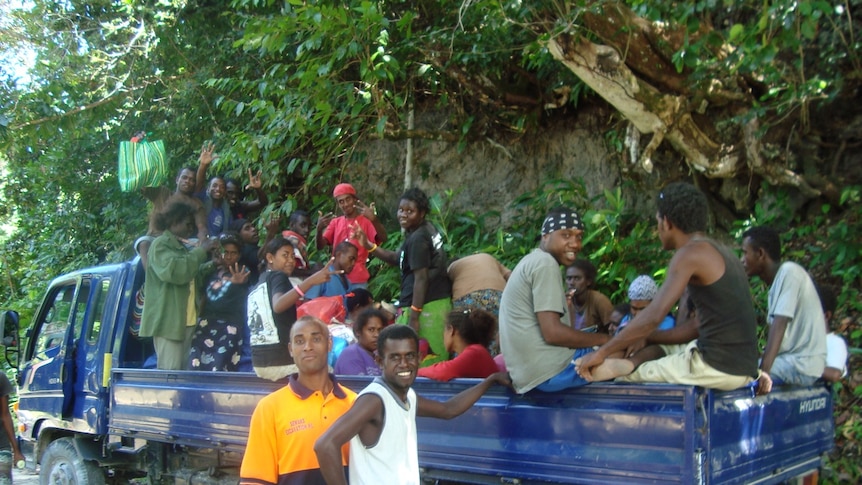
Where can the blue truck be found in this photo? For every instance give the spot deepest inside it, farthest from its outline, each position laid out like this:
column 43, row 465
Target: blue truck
column 89, row 413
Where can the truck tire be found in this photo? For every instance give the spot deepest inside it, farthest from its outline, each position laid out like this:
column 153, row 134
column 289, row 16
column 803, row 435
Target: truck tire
column 62, row 465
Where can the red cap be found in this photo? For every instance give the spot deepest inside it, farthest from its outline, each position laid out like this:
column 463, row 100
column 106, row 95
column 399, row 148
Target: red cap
column 343, row 189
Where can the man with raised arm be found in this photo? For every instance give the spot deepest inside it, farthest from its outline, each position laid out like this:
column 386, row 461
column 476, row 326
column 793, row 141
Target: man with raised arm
column 162, row 196
column 332, row 230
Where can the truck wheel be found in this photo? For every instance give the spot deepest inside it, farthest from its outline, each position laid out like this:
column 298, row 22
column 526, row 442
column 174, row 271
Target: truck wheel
column 62, row 465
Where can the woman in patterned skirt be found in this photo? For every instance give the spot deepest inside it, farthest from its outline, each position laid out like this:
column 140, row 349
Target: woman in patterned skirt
column 217, row 342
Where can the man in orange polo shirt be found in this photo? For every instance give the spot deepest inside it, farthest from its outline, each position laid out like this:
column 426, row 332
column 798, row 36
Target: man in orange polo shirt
column 286, row 423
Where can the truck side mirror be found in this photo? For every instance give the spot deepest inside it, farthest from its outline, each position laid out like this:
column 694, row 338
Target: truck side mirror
column 9, row 335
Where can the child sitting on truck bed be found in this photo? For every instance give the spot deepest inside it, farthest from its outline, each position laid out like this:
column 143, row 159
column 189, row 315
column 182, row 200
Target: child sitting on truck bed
column 468, row 334
column 358, row 358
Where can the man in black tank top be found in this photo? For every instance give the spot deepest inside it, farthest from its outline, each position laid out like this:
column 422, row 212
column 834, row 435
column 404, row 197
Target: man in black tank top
column 717, row 348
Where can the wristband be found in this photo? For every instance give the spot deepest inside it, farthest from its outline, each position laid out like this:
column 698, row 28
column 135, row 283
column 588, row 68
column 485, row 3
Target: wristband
column 299, row 291
column 373, row 248
column 417, row 310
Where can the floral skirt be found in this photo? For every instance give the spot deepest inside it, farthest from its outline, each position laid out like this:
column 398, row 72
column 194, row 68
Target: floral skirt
column 488, row 300
column 216, row 345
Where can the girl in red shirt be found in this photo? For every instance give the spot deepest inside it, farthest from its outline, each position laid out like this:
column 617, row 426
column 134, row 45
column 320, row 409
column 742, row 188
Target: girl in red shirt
column 467, row 334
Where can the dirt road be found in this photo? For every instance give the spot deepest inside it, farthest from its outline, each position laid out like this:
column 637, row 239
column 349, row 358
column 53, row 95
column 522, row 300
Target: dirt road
column 25, row 477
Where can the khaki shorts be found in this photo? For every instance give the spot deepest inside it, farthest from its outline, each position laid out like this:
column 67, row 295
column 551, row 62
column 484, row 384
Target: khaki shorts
column 684, row 364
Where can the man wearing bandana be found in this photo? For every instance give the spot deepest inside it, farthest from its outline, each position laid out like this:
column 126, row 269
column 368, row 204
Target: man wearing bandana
column 536, row 335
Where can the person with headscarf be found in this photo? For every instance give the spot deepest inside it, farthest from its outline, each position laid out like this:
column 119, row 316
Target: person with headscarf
column 332, row 230
column 641, row 292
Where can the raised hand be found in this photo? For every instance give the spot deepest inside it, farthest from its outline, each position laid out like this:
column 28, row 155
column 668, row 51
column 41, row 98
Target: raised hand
column 358, row 234
column 324, row 220
column 369, row 211
column 254, row 180
column 207, row 153
column 238, row 274
column 324, row 274
column 273, row 224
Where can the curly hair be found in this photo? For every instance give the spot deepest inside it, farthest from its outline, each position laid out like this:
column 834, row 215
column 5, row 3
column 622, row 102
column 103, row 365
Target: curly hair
column 396, row 332
column 475, row 326
column 230, row 237
column 684, row 206
column 365, row 317
column 827, row 298
column 765, row 238
column 418, row 197
column 344, row 246
column 175, row 212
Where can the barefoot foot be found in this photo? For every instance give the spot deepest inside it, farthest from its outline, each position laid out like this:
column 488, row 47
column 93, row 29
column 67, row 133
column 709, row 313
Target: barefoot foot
column 613, row 368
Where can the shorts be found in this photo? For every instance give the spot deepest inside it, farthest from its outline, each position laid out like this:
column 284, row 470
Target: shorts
column 568, row 377
column 684, row 364
column 785, row 372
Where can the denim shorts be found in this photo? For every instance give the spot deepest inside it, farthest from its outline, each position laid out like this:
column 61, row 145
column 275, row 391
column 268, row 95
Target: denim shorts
column 568, row 377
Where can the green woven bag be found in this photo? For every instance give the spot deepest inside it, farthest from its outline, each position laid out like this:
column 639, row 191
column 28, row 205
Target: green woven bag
column 142, row 164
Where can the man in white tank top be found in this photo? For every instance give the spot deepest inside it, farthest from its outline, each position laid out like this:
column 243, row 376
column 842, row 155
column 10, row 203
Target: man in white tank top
column 381, row 425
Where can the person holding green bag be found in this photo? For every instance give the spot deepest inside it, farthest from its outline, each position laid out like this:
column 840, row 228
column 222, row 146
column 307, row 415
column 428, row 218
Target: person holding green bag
column 161, row 196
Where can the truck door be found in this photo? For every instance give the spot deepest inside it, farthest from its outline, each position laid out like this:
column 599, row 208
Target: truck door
column 50, row 370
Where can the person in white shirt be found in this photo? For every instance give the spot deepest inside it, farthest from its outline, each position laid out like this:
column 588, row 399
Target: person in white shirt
column 836, row 347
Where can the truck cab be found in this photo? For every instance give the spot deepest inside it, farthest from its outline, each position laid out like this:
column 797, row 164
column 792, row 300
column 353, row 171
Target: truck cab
column 72, row 346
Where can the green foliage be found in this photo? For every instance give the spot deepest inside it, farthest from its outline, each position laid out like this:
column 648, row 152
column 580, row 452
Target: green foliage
column 798, row 51
column 612, row 233
column 293, row 88
column 829, row 244
column 102, row 72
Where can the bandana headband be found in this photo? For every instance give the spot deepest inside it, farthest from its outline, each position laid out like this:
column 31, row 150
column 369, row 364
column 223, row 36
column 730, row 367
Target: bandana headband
column 562, row 220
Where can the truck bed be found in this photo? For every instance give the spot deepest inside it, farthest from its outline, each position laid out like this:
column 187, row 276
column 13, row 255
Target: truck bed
column 601, row 433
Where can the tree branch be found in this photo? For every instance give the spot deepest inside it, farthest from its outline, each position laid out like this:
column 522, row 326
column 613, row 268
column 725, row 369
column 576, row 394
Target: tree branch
column 95, row 104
